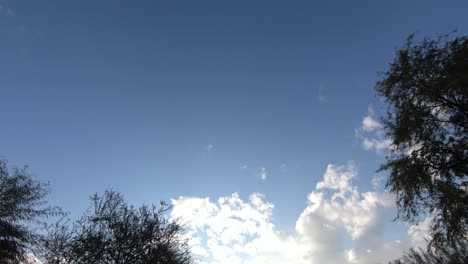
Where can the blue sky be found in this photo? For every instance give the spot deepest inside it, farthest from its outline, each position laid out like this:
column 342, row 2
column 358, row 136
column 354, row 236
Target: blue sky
column 162, row 99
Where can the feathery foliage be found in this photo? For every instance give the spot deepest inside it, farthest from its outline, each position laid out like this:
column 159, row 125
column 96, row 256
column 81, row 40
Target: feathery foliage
column 456, row 254
column 22, row 205
column 116, row 233
column 426, row 89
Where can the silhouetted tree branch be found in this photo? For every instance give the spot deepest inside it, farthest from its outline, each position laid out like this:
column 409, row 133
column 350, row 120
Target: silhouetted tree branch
column 426, row 89
column 22, row 205
column 116, row 233
column 456, row 254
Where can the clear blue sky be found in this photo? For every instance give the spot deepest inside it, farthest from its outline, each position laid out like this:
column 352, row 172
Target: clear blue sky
column 161, row 99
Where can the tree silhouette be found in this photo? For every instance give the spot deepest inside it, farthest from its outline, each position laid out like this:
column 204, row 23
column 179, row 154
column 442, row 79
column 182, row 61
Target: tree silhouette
column 426, row 89
column 457, row 254
column 22, row 205
column 116, row 233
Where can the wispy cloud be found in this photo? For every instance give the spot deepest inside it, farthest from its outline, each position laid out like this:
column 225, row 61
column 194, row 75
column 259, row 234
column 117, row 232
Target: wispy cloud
column 243, row 167
column 284, row 167
column 231, row 230
column 262, row 173
column 377, row 181
column 6, row 11
column 321, row 94
column 377, row 144
column 10, row 12
column 209, row 147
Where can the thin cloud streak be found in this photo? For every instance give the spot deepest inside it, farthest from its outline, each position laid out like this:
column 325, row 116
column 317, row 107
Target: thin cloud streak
column 321, row 94
column 262, row 174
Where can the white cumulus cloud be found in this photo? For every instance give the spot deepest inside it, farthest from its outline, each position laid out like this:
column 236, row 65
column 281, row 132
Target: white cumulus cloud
column 370, row 124
column 371, row 134
column 339, row 224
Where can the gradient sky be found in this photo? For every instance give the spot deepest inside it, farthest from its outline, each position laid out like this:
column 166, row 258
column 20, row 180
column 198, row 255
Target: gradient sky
column 162, row 99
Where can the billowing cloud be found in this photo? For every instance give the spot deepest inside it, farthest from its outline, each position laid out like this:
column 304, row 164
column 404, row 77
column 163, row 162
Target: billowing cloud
column 340, row 224
column 231, row 230
column 355, row 212
column 370, row 124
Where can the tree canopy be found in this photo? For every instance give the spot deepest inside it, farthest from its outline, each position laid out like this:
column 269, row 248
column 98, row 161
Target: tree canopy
column 22, row 205
column 457, row 254
column 426, row 90
column 115, row 233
